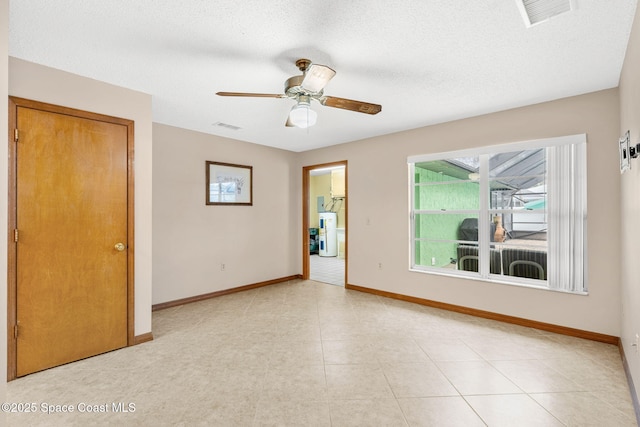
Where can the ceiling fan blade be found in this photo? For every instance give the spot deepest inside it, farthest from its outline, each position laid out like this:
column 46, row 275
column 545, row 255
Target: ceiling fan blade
column 253, row 95
column 350, row 104
column 316, row 77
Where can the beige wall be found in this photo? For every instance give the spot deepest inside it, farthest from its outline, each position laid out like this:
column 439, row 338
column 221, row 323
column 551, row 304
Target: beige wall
column 4, row 172
column 191, row 240
column 33, row 81
column 630, row 231
column 379, row 210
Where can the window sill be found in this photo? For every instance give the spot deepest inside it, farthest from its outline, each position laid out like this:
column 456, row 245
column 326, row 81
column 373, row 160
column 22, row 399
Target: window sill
column 471, row 276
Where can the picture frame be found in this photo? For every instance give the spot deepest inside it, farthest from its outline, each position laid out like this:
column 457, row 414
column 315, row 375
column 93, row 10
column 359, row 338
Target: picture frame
column 229, row 184
column 625, row 155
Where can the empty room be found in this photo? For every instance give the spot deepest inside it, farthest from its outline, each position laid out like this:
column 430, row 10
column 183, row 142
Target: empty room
column 320, row 213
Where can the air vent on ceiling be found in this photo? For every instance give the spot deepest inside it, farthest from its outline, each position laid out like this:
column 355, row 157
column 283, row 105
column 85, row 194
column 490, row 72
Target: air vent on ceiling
column 537, row 11
column 227, row 126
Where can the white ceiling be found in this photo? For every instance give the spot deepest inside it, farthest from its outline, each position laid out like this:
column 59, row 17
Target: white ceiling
column 425, row 62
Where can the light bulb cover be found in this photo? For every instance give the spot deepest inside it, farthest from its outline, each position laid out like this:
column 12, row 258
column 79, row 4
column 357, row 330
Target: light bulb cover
column 316, row 78
column 302, row 115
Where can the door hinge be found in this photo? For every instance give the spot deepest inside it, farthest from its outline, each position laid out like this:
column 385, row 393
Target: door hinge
column 15, row 235
column 15, row 331
column 15, row 135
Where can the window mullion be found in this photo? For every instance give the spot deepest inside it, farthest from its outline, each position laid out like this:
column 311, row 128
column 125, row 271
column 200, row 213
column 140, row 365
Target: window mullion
column 484, row 218
column 412, row 214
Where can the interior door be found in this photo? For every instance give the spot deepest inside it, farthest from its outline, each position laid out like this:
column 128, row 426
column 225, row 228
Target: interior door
column 71, row 243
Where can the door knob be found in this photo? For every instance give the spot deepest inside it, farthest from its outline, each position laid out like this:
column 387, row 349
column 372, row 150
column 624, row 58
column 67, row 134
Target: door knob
column 120, row 247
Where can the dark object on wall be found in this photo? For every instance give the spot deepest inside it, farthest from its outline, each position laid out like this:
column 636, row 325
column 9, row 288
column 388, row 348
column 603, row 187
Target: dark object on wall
column 625, row 152
column 313, row 241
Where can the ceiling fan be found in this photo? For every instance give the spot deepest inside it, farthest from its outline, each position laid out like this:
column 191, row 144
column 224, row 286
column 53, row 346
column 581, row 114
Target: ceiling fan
column 308, row 86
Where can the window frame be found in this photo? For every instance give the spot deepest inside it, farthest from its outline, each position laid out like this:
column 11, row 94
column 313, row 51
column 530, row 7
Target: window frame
column 485, row 212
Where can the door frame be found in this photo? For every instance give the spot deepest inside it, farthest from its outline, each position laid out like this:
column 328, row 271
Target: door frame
column 14, row 103
column 306, row 173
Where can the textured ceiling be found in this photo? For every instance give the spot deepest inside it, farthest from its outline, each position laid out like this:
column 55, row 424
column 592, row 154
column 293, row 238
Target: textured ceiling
column 425, row 62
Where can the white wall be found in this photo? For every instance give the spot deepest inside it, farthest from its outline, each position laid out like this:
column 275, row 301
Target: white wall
column 4, row 172
column 630, row 233
column 192, row 240
column 36, row 82
column 378, row 196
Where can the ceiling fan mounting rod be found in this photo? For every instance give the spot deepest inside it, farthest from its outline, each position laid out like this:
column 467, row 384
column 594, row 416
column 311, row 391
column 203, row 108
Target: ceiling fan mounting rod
column 303, row 64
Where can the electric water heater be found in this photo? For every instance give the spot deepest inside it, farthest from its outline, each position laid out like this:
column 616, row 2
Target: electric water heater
column 328, row 235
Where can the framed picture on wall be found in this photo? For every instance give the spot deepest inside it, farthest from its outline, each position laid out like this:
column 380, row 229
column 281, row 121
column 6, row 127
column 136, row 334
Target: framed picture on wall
column 229, row 184
column 625, row 156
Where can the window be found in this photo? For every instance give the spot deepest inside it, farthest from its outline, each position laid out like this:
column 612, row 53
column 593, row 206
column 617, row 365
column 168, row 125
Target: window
column 514, row 213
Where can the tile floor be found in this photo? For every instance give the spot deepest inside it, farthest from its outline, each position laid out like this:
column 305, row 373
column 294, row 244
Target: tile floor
column 326, row 269
column 303, row 353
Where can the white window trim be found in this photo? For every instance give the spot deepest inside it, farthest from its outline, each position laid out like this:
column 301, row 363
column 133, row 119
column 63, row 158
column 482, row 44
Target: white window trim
column 484, row 212
column 490, row 149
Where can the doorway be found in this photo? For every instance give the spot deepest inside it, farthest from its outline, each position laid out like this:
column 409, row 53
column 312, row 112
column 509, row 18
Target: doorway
column 71, row 218
column 325, row 223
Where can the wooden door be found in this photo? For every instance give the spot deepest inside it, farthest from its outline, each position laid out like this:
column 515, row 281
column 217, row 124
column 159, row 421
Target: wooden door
column 72, row 239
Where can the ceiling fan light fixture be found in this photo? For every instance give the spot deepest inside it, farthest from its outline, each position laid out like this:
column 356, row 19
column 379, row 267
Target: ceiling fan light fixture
column 302, row 116
column 316, row 77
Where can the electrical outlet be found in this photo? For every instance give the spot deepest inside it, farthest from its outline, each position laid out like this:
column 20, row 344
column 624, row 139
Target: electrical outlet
column 433, row 260
column 379, row 266
column 223, row 267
